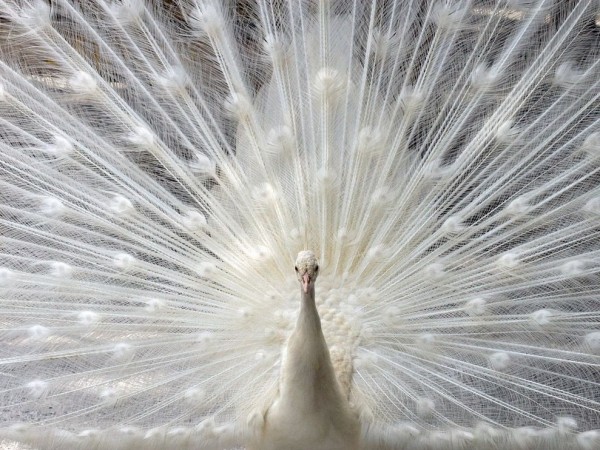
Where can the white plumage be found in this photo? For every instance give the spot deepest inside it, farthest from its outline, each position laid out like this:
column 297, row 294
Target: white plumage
column 162, row 163
column 311, row 408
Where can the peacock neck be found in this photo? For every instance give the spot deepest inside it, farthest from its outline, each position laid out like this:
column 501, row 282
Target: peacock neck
column 309, row 322
column 311, row 408
column 307, row 368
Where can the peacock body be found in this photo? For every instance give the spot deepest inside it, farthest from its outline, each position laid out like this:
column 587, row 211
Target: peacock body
column 162, row 163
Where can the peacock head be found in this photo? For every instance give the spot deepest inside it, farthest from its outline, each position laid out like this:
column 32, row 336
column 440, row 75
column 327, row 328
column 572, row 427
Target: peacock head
column 307, row 269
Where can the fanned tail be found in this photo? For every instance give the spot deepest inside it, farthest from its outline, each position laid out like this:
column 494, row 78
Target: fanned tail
column 162, row 163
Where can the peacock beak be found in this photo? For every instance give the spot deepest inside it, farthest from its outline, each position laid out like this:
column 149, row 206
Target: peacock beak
column 305, row 281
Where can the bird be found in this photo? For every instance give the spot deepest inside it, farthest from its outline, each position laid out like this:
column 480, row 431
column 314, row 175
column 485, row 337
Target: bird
column 294, row 224
column 310, row 400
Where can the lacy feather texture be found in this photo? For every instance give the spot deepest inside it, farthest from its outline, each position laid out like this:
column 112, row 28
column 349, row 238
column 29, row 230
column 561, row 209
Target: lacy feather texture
column 165, row 164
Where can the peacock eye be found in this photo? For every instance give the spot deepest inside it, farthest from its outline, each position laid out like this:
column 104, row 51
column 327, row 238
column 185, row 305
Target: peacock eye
column 296, row 268
column 317, row 268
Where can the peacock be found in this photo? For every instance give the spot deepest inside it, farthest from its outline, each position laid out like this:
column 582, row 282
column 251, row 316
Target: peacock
column 300, row 224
